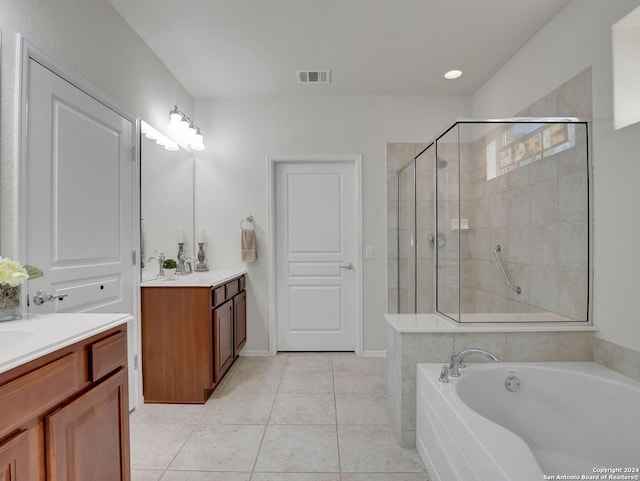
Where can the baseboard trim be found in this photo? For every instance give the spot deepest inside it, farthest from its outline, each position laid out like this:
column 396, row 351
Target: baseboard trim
column 255, row 353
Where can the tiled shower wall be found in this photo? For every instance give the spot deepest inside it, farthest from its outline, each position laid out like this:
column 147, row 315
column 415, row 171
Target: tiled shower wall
column 537, row 214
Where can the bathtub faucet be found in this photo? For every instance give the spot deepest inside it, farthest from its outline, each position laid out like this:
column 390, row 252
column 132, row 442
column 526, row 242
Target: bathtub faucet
column 457, row 359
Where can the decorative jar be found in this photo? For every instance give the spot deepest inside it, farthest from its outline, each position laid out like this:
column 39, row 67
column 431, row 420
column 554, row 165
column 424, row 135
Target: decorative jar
column 10, row 309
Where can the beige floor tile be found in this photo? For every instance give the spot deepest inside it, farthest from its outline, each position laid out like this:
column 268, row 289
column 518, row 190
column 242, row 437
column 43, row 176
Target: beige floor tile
column 153, row 446
column 351, row 362
column 145, row 475
column 238, row 408
column 219, row 447
column 168, row 413
column 309, row 362
column 374, row 449
column 223, row 439
column 263, row 362
column 251, row 381
column 367, row 409
column 304, row 409
column 360, row 382
column 295, row 477
column 204, row 476
column 384, row 477
column 298, row 449
column 306, row 382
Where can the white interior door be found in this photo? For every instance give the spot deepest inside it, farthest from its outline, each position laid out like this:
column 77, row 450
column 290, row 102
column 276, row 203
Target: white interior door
column 317, row 260
column 79, row 181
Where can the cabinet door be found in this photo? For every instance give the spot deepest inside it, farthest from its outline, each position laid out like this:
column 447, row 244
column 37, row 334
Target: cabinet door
column 88, row 439
column 14, row 458
column 222, row 339
column 240, row 321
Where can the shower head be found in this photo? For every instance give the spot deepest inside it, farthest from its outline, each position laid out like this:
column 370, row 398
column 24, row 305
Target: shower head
column 441, row 164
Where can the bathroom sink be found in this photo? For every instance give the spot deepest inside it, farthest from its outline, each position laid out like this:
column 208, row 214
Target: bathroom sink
column 13, row 337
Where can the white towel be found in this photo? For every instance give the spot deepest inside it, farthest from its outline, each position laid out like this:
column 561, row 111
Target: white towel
column 248, row 245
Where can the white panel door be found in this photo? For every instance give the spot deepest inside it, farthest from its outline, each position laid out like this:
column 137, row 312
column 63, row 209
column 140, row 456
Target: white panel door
column 316, row 256
column 79, row 200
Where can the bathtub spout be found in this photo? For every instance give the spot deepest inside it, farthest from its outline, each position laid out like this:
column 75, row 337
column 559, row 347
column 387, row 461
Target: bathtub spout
column 458, row 358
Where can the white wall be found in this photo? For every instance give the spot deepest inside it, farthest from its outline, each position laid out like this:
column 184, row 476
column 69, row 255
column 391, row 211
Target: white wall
column 579, row 37
column 92, row 39
column 232, row 176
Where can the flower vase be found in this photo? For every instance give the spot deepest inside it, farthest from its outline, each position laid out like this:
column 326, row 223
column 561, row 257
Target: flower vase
column 10, row 309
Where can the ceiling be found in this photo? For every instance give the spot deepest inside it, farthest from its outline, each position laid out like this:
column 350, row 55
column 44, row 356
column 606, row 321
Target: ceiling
column 247, row 48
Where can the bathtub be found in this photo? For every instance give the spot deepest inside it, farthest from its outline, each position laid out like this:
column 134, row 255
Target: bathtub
column 566, row 418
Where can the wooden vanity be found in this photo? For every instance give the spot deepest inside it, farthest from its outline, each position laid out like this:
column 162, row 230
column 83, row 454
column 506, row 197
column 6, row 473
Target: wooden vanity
column 192, row 333
column 64, row 411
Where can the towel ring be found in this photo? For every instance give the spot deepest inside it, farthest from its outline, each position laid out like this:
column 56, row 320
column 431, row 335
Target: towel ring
column 248, row 219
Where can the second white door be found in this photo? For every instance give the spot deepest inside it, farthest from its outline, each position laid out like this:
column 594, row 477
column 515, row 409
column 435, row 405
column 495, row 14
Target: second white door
column 317, row 253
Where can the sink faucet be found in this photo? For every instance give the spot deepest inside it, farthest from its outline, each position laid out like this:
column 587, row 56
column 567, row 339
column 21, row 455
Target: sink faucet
column 185, row 261
column 457, row 359
column 188, row 261
column 160, row 260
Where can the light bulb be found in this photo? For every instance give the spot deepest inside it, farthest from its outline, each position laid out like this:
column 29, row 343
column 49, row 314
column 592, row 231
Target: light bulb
column 175, row 117
column 190, row 133
column 198, row 144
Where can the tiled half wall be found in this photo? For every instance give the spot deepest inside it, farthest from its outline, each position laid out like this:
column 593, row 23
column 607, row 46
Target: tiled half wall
column 406, row 349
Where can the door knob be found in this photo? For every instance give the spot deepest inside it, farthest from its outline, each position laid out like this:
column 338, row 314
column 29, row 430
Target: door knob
column 348, row 266
column 40, row 297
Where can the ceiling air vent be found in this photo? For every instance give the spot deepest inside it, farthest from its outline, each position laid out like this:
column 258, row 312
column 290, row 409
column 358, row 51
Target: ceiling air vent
column 313, row 76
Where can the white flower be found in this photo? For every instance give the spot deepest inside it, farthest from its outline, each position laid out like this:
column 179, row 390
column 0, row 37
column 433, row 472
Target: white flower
column 11, row 272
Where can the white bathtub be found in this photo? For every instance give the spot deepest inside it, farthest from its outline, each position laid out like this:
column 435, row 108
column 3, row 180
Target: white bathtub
column 572, row 418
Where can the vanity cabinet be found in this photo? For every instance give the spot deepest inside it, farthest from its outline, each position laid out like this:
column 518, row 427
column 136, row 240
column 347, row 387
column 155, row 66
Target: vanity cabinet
column 14, row 457
column 240, row 321
column 223, row 340
column 65, row 416
column 191, row 336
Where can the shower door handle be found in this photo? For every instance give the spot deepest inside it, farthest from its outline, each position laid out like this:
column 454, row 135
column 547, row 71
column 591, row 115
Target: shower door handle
column 348, row 266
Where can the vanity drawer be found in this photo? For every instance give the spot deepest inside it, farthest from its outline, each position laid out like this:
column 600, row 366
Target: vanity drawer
column 219, row 295
column 233, row 288
column 38, row 391
column 108, row 355
column 241, row 282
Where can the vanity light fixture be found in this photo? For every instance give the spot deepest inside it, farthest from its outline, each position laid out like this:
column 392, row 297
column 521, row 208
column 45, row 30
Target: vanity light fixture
column 453, row 74
column 161, row 139
column 185, row 130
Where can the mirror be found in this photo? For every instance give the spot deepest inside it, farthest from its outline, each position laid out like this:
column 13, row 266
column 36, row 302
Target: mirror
column 167, row 204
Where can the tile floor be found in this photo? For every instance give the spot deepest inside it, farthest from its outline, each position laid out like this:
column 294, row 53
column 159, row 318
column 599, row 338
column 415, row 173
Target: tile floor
column 291, row 417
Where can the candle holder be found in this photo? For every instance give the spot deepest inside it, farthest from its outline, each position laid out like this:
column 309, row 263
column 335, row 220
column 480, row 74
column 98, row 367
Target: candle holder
column 180, row 255
column 201, row 266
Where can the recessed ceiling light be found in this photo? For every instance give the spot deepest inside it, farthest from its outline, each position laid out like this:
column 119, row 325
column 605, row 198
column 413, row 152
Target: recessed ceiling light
column 453, row 74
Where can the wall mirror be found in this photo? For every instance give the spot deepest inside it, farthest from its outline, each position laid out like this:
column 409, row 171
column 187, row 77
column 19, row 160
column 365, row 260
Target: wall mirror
column 166, row 203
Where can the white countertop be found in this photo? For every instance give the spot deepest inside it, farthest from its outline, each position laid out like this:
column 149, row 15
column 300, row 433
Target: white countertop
column 435, row 323
column 197, row 279
column 25, row 340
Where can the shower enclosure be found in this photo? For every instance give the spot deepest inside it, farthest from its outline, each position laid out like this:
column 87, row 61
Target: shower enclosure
column 490, row 222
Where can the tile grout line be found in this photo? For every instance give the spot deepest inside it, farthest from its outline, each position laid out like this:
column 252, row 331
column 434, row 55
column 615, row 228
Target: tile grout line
column 335, row 407
column 264, row 432
column 178, row 451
